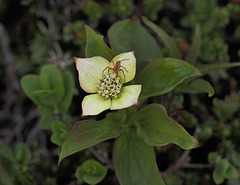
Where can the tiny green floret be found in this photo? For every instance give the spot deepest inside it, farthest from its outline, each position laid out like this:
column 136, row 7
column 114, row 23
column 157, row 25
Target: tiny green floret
column 109, row 86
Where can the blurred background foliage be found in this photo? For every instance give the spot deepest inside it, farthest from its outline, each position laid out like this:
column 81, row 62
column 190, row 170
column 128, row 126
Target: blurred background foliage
column 52, row 32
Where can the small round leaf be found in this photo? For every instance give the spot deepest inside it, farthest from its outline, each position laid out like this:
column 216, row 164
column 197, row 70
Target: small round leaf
column 60, row 132
column 91, row 172
column 22, row 154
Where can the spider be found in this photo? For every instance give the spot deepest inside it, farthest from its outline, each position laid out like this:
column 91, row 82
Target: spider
column 117, row 67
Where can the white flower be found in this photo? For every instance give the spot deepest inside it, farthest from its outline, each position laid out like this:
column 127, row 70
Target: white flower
column 105, row 79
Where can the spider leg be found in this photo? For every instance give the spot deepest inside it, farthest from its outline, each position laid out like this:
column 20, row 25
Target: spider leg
column 105, row 69
column 123, row 68
column 123, row 74
column 122, row 60
column 109, row 69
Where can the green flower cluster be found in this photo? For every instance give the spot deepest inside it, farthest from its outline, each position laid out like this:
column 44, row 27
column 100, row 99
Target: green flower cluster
column 109, row 86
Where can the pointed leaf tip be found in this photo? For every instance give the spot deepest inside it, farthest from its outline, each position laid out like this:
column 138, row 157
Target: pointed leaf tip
column 96, row 46
column 158, row 129
column 163, row 75
column 90, row 132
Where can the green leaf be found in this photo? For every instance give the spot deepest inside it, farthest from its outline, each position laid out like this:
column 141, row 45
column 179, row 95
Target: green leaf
column 158, row 129
column 214, row 158
column 163, row 75
column 219, row 171
column 47, row 117
column 88, row 133
column 231, row 172
column 129, row 35
column 22, row 154
column 6, row 153
column 96, row 46
column 31, row 84
column 195, row 47
column 206, row 68
column 217, row 177
column 4, row 177
column 52, row 81
column 7, row 159
column 59, row 132
column 224, row 170
column 91, row 172
column 167, row 41
column 66, row 101
column 196, row 86
column 134, row 160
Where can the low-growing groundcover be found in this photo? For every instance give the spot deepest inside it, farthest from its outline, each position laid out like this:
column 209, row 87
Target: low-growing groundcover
column 145, row 108
column 139, row 130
